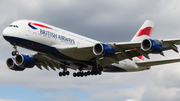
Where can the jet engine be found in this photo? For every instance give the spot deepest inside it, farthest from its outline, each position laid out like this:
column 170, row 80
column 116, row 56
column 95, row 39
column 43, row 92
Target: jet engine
column 103, row 49
column 13, row 66
column 151, row 46
column 25, row 61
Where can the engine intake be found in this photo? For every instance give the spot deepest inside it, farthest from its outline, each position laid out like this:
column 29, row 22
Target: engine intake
column 151, row 46
column 25, row 61
column 12, row 65
column 103, row 49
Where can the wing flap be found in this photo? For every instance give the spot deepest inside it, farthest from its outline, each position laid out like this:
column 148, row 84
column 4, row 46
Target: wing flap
column 39, row 66
column 44, row 65
column 44, row 61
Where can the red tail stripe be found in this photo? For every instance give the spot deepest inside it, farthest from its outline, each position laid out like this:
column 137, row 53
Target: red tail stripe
column 146, row 31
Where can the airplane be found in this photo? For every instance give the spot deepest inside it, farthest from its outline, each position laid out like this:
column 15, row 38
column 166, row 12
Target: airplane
column 60, row 49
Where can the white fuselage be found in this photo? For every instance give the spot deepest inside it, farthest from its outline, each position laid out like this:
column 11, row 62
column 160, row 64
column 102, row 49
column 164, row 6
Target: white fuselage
column 40, row 37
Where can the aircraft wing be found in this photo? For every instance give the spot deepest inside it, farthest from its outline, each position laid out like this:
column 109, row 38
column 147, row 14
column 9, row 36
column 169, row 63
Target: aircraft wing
column 167, row 44
column 172, row 41
column 159, row 62
column 124, row 50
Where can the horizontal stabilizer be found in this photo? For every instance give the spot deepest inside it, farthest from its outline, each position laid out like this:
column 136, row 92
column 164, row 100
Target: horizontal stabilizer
column 158, row 62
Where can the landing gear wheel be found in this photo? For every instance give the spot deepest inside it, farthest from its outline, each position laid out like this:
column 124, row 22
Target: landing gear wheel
column 64, row 73
column 99, row 72
column 67, row 73
column 60, row 74
column 14, row 53
column 82, row 74
column 78, row 74
column 85, row 74
column 74, row 74
column 88, row 73
column 17, row 53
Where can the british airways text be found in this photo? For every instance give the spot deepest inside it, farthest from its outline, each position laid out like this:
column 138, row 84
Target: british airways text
column 56, row 36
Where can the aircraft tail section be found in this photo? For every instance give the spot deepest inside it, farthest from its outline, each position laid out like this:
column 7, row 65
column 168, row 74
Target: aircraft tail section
column 144, row 32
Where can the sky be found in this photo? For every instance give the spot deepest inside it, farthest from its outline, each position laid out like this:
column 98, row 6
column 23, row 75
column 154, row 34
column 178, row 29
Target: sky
column 103, row 20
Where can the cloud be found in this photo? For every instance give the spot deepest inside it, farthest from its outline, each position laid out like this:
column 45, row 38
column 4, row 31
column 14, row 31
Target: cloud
column 131, row 100
column 161, row 93
column 7, row 100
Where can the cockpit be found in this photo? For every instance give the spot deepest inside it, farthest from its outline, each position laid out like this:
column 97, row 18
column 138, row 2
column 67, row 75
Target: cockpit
column 15, row 26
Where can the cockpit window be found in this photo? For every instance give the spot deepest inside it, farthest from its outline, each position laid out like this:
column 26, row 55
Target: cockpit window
column 13, row 26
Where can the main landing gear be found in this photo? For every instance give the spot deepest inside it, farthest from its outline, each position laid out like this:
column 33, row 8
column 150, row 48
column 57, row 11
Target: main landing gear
column 88, row 73
column 64, row 73
column 95, row 71
column 15, row 52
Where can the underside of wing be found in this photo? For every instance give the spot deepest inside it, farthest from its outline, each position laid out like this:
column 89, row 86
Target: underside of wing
column 83, row 52
column 42, row 60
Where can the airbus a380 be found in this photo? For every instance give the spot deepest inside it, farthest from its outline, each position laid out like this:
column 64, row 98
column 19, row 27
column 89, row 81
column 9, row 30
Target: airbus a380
column 60, row 49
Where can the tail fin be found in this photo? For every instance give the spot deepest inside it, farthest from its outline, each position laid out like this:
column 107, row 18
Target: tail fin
column 144, row 32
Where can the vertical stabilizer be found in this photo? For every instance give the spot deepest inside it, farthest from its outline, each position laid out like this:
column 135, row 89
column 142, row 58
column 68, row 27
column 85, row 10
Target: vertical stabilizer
column 144, row 32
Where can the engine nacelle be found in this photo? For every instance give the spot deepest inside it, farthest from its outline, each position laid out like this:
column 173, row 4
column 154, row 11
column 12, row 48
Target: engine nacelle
column 25, row 61
column 13, row 66
column 151, row 46
column 103, row 49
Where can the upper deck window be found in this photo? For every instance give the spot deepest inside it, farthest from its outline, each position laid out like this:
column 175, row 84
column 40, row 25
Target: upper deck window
column 13, row 26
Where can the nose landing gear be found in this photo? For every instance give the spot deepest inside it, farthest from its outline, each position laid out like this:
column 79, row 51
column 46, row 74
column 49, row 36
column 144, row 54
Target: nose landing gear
column 15, row 52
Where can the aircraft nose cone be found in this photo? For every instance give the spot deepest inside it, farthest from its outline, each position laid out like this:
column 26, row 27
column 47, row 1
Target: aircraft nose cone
column 5, row 32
